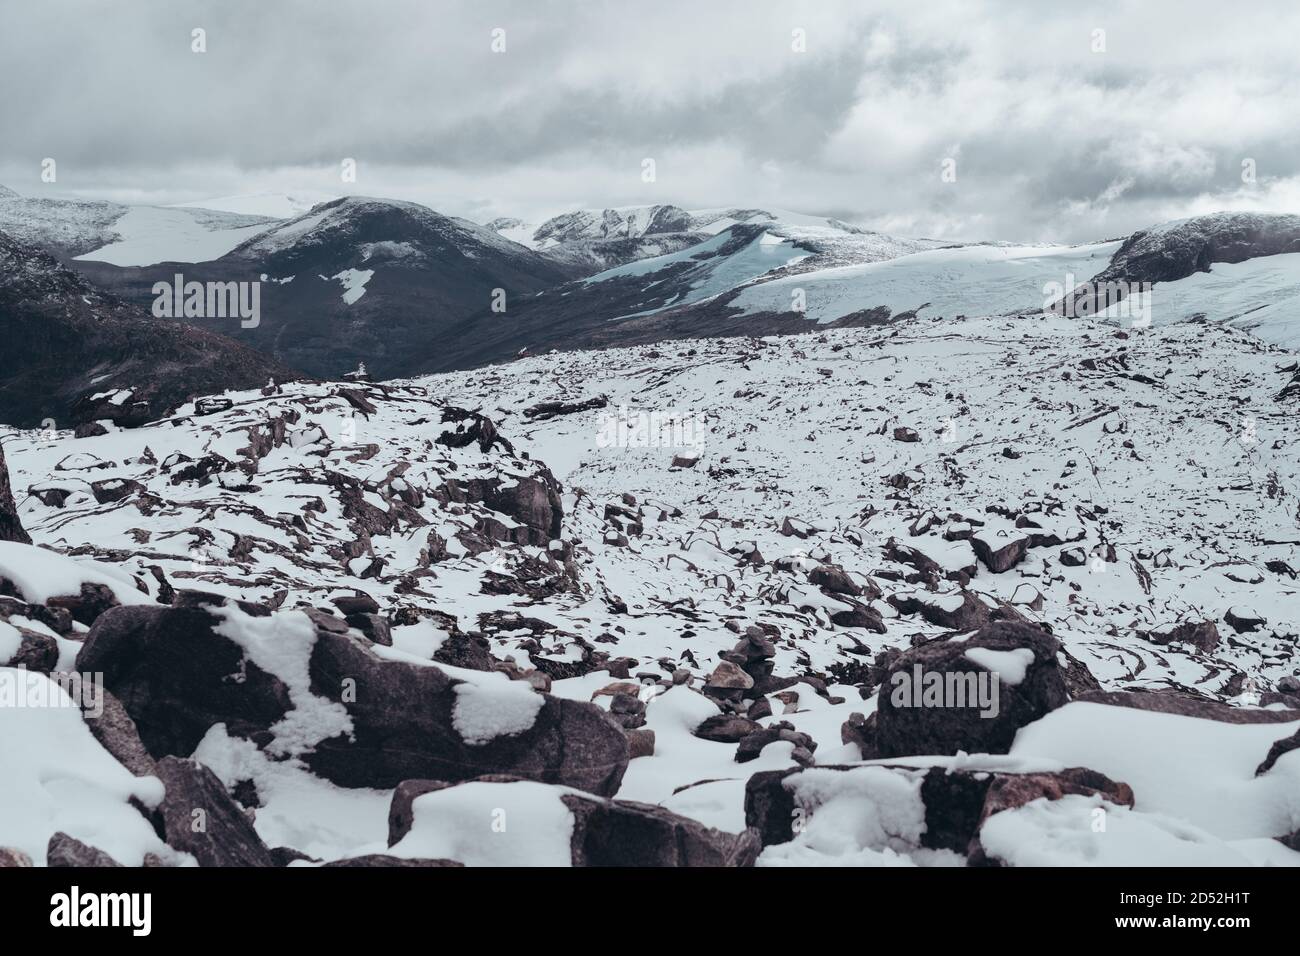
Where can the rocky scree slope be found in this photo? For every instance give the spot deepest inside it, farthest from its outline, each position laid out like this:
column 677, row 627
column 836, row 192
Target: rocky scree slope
column 668, row 655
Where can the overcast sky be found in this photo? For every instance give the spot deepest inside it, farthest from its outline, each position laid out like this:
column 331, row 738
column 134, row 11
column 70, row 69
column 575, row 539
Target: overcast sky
column 1051, row 140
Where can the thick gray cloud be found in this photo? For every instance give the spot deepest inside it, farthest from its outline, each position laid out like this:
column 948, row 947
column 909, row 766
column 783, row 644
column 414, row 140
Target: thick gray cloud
column 1052, row 137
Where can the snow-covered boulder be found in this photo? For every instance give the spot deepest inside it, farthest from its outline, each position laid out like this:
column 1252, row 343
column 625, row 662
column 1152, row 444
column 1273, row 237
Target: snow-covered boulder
column 902, row 815
column 304, row 685
column 969, row 693
column 499, row 820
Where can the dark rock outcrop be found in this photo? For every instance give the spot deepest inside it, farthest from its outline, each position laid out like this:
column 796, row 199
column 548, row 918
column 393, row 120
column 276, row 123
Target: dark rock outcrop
column 72, row 350
column 11, row 528
column 403, row 729
column 956, row 802
column 176, row 677
column 1187, row 705
column 199, row 817
column 948, row 719
column 1177, row 250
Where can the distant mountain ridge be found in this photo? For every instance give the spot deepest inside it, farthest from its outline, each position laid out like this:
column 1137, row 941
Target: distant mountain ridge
column 359, row 279
column 408, row 290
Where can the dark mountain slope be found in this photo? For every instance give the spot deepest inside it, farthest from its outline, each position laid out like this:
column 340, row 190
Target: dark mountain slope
column 65, row 342
column 360, row 280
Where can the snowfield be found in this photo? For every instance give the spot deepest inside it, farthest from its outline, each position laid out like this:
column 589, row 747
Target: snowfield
column 1104, row 520
column 151, row 234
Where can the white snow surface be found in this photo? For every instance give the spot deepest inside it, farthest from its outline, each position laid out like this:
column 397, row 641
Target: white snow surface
column 151, row 234
column 494, row 706
column 56, row 777
column 40, row 574
column 491, row 824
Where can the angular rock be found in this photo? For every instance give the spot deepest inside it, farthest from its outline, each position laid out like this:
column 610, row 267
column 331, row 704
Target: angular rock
column 860, row 615
column 727, row 676
column 726, row 728
column 1073, row 557
column 625, row 833
column 834, row 579
column 929, row 701
column 64, row 850
column 1243, row 620
column 36, row 652
column 403, row 729
column 1000, row 554
column 640, row 743
column 117, row 733
column 349, row 604
column 1203, row 635
column 199, row 817
column 956, row 801
column 86, row 606
column 11, row 528
column 114, row 489
column 13, row 858
column 1187, row 705
column 956, row 611
column 176, row 677
column 610, row 832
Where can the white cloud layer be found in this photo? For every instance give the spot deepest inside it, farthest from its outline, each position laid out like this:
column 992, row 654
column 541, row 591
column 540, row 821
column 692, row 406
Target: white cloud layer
column 1052, row 139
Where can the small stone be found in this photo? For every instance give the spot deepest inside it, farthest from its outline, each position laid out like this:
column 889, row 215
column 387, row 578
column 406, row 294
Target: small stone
column 640, row 743
column 729, row 677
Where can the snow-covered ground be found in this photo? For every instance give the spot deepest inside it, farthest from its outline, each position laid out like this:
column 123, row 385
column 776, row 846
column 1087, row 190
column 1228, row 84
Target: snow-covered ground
column 1162, row 463
column 1261, row 295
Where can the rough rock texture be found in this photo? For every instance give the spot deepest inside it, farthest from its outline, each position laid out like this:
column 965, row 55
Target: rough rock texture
column 198, row 816
column 117, row 733
column 176, row 677
column 64, row 850
column 11, row 529
column 403, row 730
column 1176, row 250
column 625, row 833
column 11, row 858
column 36, row 652
column 172, row 673
column 906, row 731
column 1188, row 705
